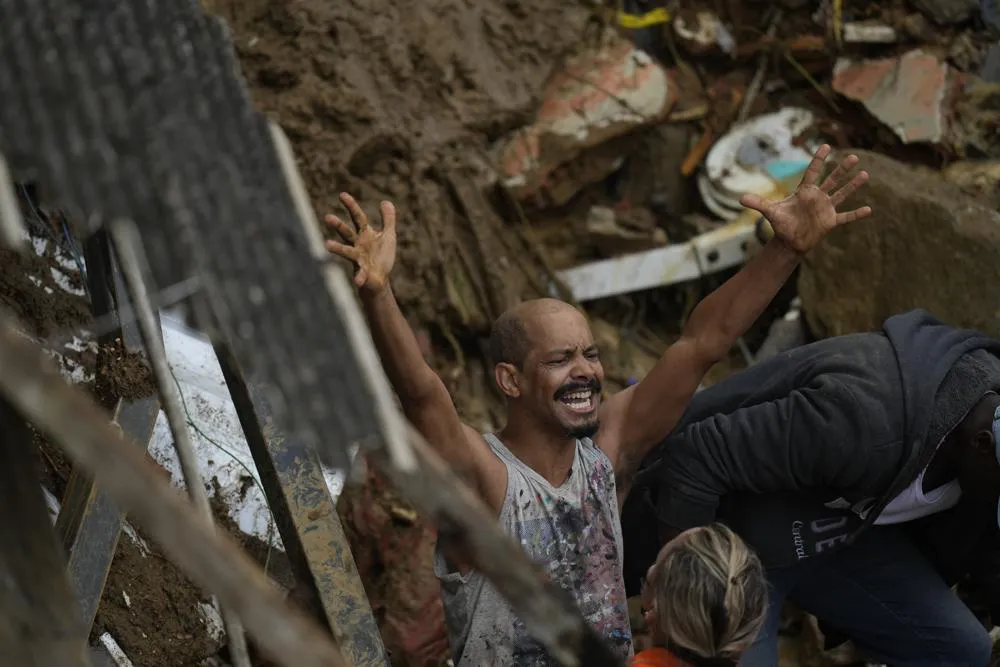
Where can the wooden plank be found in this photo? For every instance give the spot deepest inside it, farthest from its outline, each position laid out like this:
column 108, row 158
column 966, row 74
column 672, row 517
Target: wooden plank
column 212, row 559
column 306, row 516
column 39, row 626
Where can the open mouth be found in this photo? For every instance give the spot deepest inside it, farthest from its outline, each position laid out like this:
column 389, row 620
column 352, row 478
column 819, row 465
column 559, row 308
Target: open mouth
column 580, row 402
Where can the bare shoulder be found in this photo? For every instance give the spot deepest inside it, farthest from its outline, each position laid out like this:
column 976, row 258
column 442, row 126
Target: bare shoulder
column 491, row 473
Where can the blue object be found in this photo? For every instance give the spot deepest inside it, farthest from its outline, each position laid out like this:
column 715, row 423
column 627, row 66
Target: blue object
column 779, row 170
column 631, row 381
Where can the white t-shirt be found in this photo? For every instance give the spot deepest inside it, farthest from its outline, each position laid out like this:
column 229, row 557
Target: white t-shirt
column 912, row 503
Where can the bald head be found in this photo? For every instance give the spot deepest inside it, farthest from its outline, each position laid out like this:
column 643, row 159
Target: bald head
column 510, row 337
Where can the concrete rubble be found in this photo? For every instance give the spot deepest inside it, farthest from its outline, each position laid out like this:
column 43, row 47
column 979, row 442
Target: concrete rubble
column 910, row 94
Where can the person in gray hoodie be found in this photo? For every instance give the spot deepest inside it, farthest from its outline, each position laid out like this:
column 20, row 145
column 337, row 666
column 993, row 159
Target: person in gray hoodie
column 864, row 470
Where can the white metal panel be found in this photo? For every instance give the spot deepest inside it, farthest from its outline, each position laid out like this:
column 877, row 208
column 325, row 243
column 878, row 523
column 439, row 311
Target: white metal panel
column 713, row 251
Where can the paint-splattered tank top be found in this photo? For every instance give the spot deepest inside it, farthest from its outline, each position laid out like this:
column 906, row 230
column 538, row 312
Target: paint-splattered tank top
column 572, row 531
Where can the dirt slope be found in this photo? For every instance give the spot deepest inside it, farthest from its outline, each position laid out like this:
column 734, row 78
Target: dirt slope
column 387, row 99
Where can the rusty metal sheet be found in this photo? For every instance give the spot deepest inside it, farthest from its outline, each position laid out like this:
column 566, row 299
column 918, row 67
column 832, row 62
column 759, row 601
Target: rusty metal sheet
column 306, row 516
column 89, row 524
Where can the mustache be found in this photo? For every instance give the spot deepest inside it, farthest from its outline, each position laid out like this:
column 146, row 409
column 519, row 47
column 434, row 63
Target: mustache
column 593, row 384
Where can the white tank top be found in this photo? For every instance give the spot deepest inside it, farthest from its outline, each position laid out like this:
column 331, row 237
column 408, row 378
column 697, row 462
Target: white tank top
column 574, row 533
column 912, row 503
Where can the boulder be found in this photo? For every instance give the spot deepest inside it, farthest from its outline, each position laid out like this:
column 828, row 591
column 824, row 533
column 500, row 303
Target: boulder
column 948, row 12
column 927, row 245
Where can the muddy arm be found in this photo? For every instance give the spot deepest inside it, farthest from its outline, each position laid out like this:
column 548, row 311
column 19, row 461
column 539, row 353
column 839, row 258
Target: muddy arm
column 646, row 413
column 425, row 399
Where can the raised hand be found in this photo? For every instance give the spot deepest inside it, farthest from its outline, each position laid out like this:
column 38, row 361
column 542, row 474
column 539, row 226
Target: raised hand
column 805, row 217
column 373, row 252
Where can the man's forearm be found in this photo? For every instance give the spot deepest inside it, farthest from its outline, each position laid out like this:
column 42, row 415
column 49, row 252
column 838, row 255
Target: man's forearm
column 409, row 373
column 725, row 314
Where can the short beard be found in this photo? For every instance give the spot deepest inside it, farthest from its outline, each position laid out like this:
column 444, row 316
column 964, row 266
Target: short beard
column 584, row 430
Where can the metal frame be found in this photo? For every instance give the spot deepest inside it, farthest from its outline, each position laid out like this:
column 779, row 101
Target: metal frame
column 723, row 248
column 89, row 523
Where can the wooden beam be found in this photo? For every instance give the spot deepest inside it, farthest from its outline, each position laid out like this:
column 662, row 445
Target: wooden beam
column 39, row 625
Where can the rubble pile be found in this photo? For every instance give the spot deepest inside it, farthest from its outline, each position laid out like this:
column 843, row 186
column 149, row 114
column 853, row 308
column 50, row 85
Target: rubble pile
column 523, row 140
column 587, row 151
column 595, row 151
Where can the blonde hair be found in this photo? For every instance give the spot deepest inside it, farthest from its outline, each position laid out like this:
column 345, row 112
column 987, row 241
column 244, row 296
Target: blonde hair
column 710, row 593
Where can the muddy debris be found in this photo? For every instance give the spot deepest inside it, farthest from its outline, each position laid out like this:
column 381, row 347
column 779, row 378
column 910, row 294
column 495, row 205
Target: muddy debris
column 122, row 374
column 977, row 178
column 513, row 150
column 153, row 611
column 31, row 289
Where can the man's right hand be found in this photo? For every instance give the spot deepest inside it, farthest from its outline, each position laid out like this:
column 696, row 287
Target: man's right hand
column 373, row 252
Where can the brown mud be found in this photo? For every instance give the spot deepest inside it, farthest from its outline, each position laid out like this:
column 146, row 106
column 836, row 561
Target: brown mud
column 152, row 610
column 29, row 291
column 384, row 101
column 121, row 374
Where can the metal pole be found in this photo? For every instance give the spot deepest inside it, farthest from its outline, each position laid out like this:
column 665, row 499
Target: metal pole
column 128, row 247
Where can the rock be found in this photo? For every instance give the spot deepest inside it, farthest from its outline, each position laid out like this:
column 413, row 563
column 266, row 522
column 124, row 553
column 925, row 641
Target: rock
column 947, row 12
column 613, row 233
column 918, row 28
column 927, row 245
column 977, row 178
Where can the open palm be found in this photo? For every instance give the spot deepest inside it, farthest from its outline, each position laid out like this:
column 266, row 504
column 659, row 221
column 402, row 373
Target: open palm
column 372, row 251
column 802, row 219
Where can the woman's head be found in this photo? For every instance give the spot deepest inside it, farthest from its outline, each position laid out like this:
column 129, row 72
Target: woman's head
column 706, row 594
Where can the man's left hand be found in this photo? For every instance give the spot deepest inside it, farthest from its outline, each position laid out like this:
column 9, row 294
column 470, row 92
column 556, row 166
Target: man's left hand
column 803, row 219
